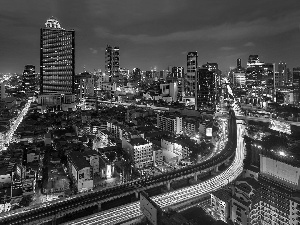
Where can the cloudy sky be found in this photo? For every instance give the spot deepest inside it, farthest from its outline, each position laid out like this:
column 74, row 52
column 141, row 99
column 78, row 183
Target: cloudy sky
column 154, row 32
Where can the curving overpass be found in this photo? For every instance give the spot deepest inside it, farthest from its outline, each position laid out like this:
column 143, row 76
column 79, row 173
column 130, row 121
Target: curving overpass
column 52, row 210
column 132, row 211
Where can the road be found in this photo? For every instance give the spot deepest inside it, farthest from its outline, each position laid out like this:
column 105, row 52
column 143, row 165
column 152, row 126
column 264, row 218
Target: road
column 16, row 123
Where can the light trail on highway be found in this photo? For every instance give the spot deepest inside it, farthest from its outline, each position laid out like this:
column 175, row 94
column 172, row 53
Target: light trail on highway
column 131, row 211
column 16, row 123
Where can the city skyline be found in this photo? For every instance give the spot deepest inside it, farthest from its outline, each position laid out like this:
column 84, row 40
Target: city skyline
column 154, row 34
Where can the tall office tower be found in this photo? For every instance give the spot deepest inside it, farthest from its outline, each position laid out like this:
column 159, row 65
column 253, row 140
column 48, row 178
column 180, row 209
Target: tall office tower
column 296, row 85
column 192, row 64
column 238, row 63
column 29, row 78
column 112, row 61
column 281, row 79
column 57, row 59
column 206, row 93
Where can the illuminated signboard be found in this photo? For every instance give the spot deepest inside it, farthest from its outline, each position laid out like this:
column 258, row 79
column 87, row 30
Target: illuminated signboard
column 150, row 209
column 280, row 126
column 209, row 132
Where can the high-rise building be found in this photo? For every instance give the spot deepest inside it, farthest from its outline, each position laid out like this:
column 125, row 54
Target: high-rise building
column 2, row 90
column 136, row 75
column 206, row 87
column 282, row 75
column 296, row 85
column 57, row 59
column 112, row 61
column 238, row 63
column 29, row 78
column 192, row 64
column 177, row 72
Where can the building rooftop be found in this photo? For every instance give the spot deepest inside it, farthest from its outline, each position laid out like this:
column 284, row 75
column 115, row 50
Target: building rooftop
column 78, row 160
column 223, row 195
column 138, row 141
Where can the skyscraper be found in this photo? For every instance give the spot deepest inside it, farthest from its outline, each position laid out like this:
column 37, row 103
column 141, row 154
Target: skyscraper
column 192, row 64
column 282, row 78
column 296, row 85
column 206, row 87
column 239, row 63
column 112, row 61
column 57, row 59
column 29, row 79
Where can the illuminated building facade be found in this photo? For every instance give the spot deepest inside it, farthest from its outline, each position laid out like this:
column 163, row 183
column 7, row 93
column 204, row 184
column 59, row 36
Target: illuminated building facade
column 206, row 87
column 296, row 85
column 244, row 192
column 192, row 64
column 112, row 61
column 140, row 150
column 278, row 197
column 259, row 73
column 220, row 204
column 136, row 75
column 29, row 78
column 281, row 77
column 57, row 59
column 177, row 72
column 169, row 122
column 80, row 171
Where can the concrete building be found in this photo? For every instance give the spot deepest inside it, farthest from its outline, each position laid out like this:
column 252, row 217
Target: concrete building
column 244, row 194
column 220, row 204
column 93, row 158
column 278, row 197
column 192, row 64
column 169, row 90
column 170, row 122
column 29, row 79
column 2, row 90
column 140, row 150
column 112, row 62
column 239, row 78
column 206, row 88
column 179, row 149
column 57, row 59
column 81, row 171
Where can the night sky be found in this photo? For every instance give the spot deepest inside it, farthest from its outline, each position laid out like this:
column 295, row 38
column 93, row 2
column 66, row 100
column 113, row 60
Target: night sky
column 154, row 32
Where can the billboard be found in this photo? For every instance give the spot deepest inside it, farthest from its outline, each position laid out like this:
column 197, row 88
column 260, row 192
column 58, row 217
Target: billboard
column 280, row 126
column 150, row 209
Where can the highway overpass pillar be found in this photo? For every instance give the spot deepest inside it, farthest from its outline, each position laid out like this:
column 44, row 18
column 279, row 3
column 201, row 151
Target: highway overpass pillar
column 168, row 185
column 99, row 206
column 53, row 222
column 216, row 169
column 227, row 162
column 196, row 176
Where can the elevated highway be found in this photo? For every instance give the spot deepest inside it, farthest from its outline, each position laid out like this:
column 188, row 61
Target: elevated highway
column 132, row 211
column 60, row 208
